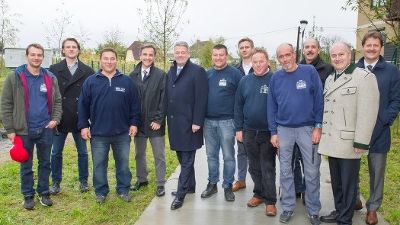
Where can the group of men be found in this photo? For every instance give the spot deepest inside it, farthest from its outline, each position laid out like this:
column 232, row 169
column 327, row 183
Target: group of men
column 297, row 113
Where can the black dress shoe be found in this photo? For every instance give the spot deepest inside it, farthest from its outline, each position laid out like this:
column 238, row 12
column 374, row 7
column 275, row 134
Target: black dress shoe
column 210, row 190
column 176, row 204
column 173, row 193
column 160, row 191
column 139, row 185
column 331, row 218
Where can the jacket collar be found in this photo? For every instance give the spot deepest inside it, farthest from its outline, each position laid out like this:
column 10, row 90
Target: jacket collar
column 331, row 86
column 380, row 64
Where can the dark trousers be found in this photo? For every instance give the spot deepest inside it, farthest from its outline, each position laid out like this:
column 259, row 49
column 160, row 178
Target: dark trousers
column 344, row 179
column 187, row 180
column 262, row 167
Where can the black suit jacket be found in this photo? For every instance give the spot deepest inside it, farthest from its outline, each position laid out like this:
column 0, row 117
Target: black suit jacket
column 70, row 89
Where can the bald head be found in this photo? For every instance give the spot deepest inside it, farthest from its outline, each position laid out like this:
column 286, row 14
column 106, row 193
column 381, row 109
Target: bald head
column 340, row 53
column 284, row 46
column 286, row 57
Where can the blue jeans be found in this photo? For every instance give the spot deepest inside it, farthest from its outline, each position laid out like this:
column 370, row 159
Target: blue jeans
column 100, row 146
column 220, row 134
column 312, row 161
column 42, row 139
column 242, row 161
column 57, row 156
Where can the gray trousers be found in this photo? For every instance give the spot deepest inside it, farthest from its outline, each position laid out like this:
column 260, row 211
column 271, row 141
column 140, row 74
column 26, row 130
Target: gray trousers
column 312, row 160
column 376, row 168
column 158, row 147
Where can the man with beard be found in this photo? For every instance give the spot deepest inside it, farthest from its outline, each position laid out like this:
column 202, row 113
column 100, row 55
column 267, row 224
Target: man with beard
column 311, row 55
column 295, row 108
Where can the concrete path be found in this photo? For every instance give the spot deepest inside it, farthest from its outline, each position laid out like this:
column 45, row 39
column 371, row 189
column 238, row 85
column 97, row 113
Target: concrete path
column 216, row 211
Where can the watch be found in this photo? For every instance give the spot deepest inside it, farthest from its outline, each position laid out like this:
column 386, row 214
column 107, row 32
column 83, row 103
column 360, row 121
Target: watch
column 318, row 125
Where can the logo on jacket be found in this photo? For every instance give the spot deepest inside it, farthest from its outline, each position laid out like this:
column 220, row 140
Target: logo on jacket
column 120, row 89
column 222, row 83
column 301, row 84
column 264, row 89
column 43, row 88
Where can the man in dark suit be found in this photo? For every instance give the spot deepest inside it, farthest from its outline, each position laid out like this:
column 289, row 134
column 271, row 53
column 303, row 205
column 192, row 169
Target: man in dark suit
column 150, row 82
column 186, row 97
column 70, row 73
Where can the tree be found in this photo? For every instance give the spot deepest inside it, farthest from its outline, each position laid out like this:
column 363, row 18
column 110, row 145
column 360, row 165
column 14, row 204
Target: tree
column 160, row 20
column 8, row 30
column 113, row 39
column 387, row 11
column 202, row 50
column 58, row 28
column 83, row 36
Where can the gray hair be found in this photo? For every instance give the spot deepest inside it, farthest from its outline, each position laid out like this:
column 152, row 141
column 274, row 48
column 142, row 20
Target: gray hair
column 341, row 43
column 182, row 44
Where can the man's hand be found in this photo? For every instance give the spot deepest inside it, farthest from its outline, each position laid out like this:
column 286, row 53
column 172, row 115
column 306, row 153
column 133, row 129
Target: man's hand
column 316, row 135
column 275, row 141
column 132, row 131
column 155, row 126
column 239, row 136
column 85, row 134
column 51, row 124
column 195, row 128
column 360, row 151
column 11, row 137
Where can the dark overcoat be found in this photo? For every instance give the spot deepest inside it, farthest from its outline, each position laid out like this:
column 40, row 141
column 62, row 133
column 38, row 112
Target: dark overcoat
column 152, row 98
column 186, row 96
column 70, row 89
column 388, row 78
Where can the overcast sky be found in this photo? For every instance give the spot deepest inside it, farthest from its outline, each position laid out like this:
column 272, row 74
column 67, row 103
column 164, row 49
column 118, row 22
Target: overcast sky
column 267, row 22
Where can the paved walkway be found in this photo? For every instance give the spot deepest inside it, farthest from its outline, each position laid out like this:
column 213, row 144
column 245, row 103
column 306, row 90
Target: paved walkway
column 216, row 211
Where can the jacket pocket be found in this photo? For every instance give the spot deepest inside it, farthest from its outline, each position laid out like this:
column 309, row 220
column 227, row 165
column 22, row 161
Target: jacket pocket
column 347, row 135
column 348, row 91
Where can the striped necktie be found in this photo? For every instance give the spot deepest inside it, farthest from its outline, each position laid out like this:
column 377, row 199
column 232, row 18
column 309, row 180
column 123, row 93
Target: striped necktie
column 370, row 67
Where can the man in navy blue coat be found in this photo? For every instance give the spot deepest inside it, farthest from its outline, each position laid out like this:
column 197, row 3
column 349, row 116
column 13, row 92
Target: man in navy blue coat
column 388, row 77
column 186, row 94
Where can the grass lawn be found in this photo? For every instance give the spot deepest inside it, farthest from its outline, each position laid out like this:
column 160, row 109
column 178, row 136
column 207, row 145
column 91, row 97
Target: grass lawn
column 71, row 206
column 391, row 199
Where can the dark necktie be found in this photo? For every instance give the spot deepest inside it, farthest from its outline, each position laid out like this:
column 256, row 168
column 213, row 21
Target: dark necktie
column 144, row 75
column 370, row 68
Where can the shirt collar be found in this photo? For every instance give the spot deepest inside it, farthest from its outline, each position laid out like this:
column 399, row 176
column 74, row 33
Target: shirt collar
column 372, row 64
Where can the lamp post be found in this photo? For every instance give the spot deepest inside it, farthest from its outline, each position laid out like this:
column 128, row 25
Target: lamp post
column 300, row 30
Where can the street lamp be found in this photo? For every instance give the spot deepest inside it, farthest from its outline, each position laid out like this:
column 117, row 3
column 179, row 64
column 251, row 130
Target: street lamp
column 300, row 29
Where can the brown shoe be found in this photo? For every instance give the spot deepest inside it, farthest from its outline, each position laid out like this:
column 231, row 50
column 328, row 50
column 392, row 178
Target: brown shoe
column 270, row 210
column 254, row 202
column 358, row 205
column 371, row 218
column 238, row 185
